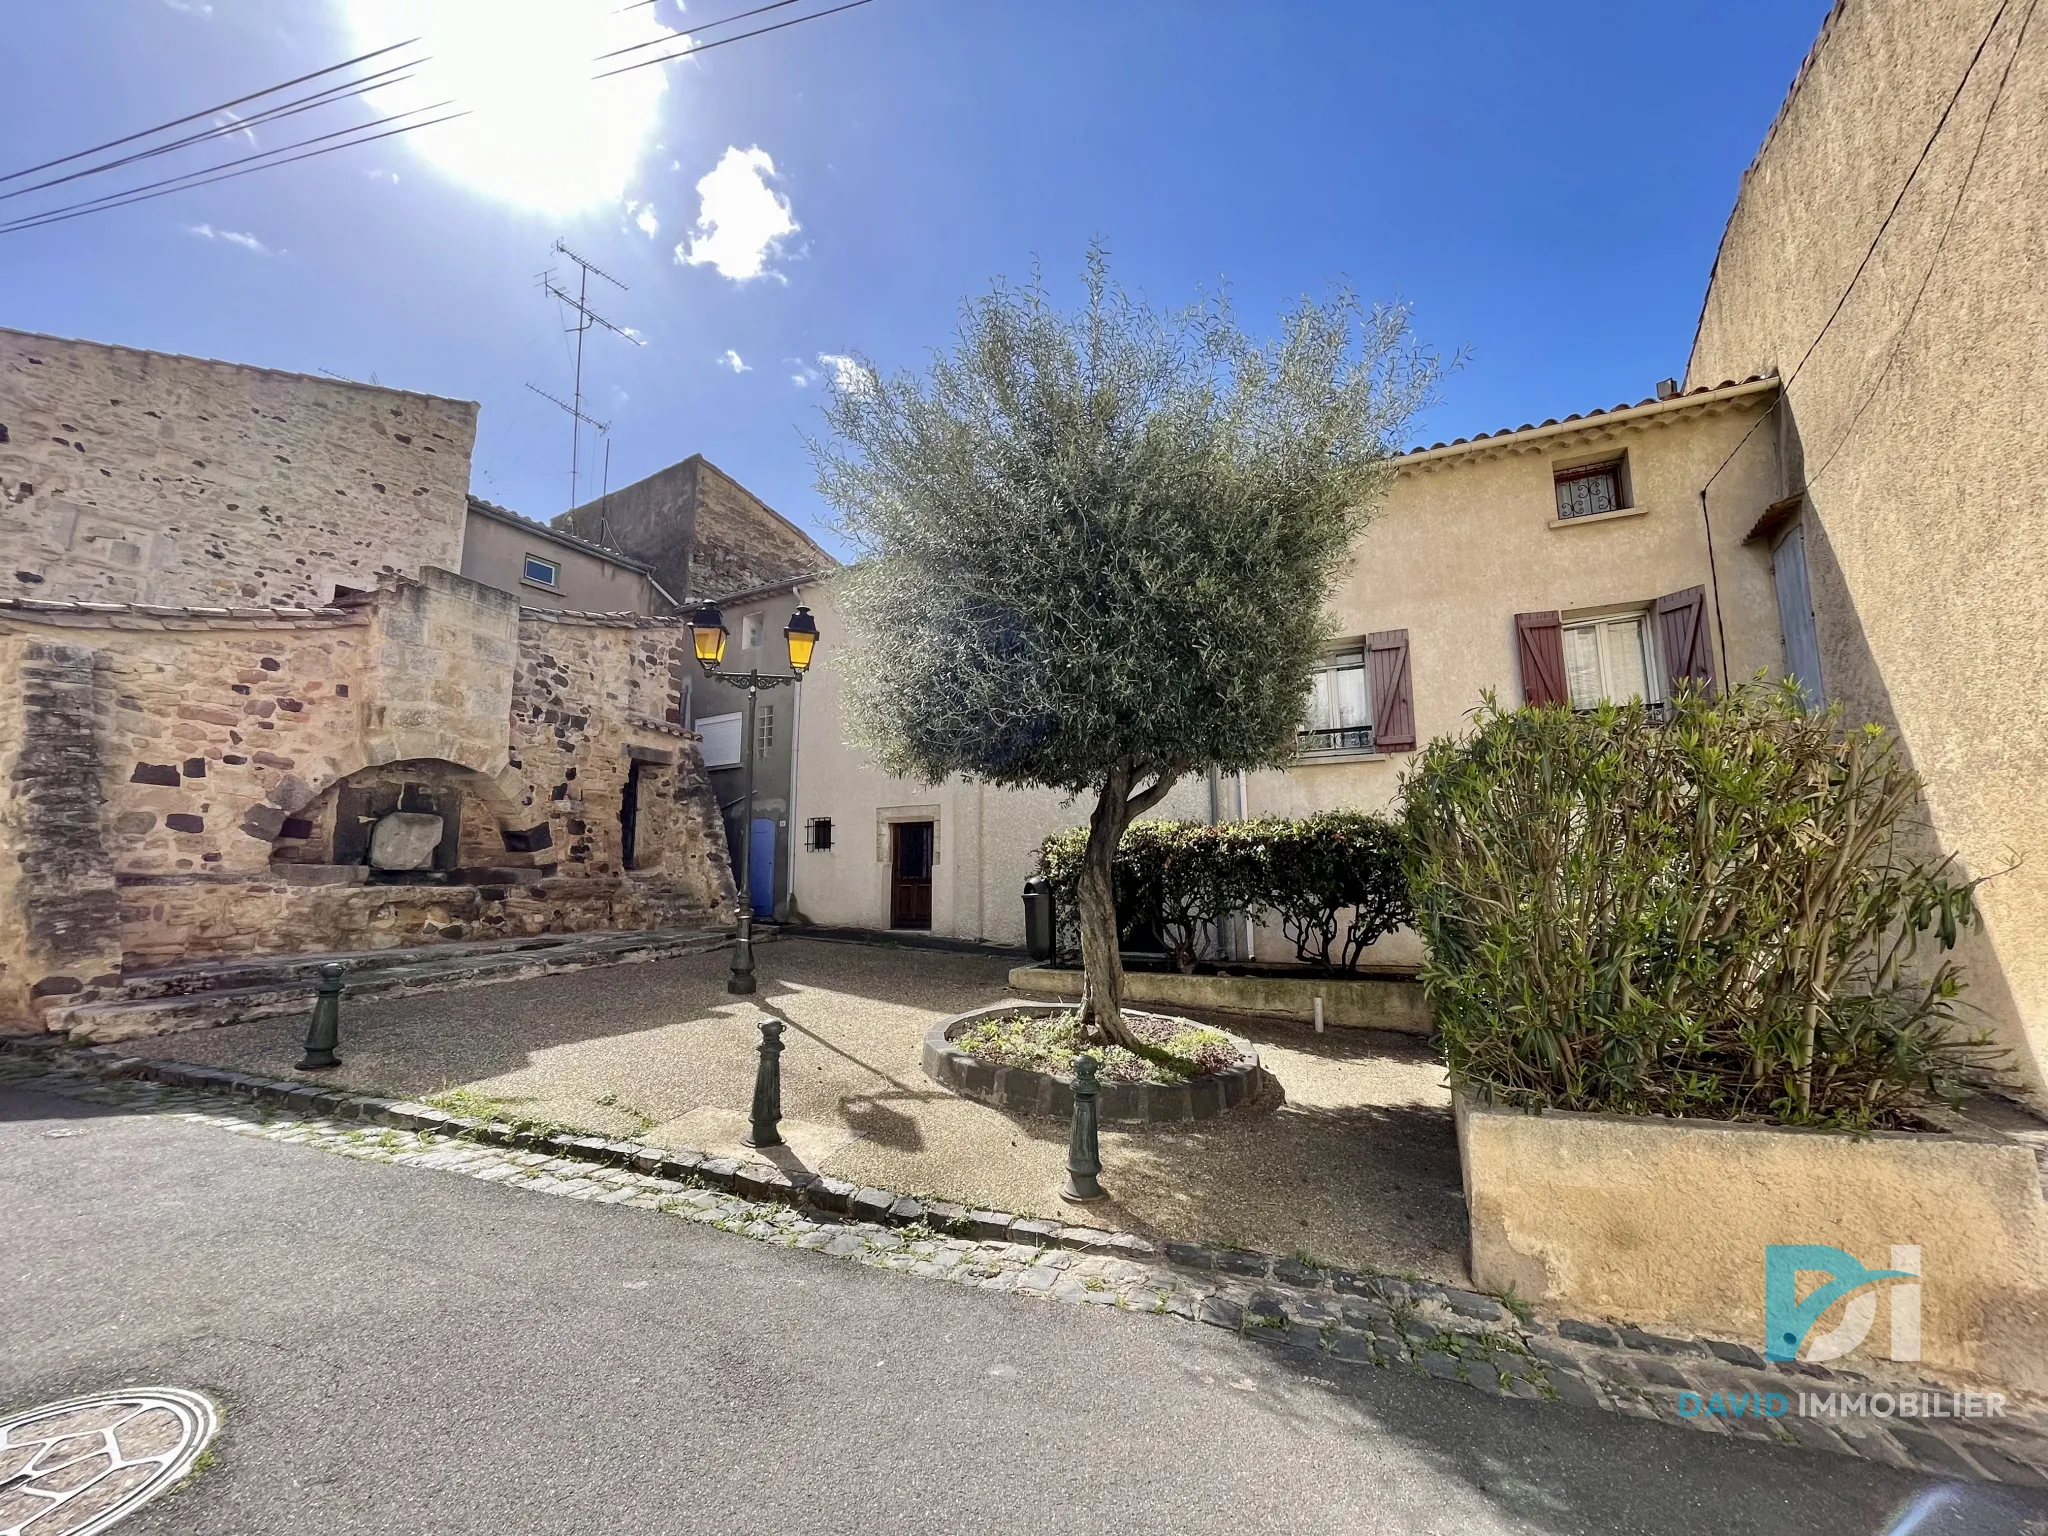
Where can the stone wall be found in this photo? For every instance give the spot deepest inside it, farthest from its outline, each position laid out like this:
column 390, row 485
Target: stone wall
column 131, row 476
column 702, row 532
column 179, row 781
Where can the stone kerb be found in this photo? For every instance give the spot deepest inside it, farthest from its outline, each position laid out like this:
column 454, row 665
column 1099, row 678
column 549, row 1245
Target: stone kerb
column 1390, row 1001
column 1024, row 1092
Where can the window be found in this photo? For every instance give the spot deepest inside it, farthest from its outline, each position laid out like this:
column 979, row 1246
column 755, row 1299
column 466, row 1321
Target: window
column 764, row 729
column 721, row 734
column 1611, row 659
column 1590, row 490
column 750, row 632
column 818, row 834
column 543, row 573
column 1339, row 706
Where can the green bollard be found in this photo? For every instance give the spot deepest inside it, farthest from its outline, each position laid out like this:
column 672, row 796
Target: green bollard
column 768, row 1088
column 1084, row 1156
column 325, row 1032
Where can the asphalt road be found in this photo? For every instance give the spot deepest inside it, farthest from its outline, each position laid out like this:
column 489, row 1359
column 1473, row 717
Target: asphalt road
column 403, row 1351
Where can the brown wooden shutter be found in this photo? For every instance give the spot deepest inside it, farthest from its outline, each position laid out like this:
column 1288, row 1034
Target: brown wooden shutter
column 1683, row 636
column 1539, row 645
column 1393, row 696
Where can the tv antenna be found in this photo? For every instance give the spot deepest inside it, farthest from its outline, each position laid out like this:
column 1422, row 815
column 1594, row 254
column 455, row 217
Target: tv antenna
column 586, row 317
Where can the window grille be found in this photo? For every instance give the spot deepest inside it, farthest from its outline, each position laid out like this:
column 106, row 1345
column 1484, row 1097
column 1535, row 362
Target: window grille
column 818, row 834
column 1590, row 490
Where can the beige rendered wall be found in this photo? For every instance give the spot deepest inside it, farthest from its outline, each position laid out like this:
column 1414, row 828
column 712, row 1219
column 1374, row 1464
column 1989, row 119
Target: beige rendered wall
column 1463, row 543
column 495, row 552
column 130, row 476
column 987, row 838
column 1665, row 1222
column 1917, row 429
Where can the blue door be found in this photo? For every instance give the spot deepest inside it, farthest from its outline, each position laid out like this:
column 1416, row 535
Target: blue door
column 761, row 866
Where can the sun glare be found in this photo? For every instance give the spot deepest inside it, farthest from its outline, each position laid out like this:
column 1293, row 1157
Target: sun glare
column 542, row 134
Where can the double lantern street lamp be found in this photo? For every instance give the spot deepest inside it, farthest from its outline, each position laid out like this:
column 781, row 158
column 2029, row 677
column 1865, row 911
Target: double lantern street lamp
column 707, row 638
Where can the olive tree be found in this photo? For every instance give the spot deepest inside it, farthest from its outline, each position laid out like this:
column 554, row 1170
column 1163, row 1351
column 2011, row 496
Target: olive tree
column 1094, row 546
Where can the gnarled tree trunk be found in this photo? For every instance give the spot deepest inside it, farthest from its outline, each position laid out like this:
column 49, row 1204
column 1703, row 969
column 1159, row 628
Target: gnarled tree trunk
column 1102, row 995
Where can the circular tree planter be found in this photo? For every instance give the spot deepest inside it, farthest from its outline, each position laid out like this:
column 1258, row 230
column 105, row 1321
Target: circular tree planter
column 1025, row 1092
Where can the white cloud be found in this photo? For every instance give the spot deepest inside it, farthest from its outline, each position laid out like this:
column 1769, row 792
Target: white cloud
column 383, row 175
column 847, row 373
column 642, row 215
column 192, row 8
column 233, row 237
column 541, row 132
column 742, row 220
column 732, row 360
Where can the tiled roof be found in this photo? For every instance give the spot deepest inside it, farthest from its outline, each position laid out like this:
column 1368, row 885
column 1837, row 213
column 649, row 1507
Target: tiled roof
column 506, row 515
column 1754, row 384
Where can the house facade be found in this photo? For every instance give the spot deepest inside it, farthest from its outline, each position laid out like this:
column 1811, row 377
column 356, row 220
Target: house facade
column 1567, row 560
column 1910, row 322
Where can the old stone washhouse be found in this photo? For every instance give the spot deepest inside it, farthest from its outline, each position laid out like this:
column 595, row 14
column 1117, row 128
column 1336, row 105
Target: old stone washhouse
column 248, row 709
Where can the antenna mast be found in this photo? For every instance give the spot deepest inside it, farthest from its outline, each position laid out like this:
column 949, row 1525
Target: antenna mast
column 586, row 317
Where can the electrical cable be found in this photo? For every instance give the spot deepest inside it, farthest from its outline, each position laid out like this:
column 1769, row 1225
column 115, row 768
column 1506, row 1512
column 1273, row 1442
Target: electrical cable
column 1934, row 261
column 321, row 98
column 178, row 122
column 688, row 31
column 1863, row 265
column 145, row 193
column 738, row 37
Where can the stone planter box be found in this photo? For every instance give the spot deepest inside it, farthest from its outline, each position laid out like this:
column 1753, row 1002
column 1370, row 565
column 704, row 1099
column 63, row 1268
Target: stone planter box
column 1387, row 1001
column 1024, row 1092
column 1664, row 1222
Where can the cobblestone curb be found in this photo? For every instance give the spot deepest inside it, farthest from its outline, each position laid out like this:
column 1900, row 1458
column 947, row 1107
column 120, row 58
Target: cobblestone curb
column 1393, row 1323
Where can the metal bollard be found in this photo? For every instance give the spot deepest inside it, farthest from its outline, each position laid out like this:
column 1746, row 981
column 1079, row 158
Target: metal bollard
column 1084, row 1157
column 325, row 1032
column 768, row 1088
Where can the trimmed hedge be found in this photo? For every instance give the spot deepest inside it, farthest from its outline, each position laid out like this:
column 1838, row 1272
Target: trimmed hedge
column 1724, row 914
column 1333, row 880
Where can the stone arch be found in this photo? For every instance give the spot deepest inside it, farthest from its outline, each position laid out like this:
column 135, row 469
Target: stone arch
column 484, row 820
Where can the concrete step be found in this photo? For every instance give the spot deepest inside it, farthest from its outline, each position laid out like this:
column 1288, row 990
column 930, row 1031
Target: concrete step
column 240, row 990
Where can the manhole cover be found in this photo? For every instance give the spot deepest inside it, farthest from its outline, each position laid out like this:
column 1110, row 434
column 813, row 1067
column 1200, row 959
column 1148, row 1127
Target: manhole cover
column 69, row 1469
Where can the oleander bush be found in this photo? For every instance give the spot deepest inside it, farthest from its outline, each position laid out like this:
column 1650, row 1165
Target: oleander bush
column 1727, row 914
column 1334, row 881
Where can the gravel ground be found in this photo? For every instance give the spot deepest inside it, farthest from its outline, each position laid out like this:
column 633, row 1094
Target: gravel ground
column 1353, row 1162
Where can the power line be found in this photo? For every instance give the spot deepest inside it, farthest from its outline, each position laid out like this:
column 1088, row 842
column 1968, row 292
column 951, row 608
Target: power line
column 178, row 122
column 738, row 37
column 333, row 93
column 143, row 195
column 688, row 31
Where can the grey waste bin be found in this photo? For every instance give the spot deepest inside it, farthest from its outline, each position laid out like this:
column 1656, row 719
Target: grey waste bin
column 1038, row 918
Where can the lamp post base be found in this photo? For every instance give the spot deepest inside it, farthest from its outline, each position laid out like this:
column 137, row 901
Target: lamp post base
column 740, row 980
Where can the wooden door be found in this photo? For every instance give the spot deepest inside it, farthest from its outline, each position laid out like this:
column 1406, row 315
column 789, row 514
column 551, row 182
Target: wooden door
column 910, row 874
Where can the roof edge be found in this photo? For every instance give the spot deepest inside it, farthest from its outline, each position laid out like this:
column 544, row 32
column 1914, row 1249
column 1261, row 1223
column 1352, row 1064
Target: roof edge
column 1620, row 415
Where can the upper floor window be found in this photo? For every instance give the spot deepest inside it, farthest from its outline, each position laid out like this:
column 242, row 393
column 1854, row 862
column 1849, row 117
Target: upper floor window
column 764, row 729
column 1339, row 705
column 1591, row 489
column 541, row 572
column 750, row 632
column 1612, row 660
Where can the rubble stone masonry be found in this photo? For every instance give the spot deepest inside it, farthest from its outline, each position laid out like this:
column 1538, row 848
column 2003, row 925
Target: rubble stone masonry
column 182, row 784
column 131, row 476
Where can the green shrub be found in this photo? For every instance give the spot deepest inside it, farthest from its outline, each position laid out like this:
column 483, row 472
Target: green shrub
column 1716, row 916
column 1176, row 879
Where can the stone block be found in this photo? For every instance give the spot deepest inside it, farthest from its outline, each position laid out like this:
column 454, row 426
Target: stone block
column 403, row 840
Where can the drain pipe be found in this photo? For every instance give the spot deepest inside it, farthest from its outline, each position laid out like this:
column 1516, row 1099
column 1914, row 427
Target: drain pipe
column 1244, row 814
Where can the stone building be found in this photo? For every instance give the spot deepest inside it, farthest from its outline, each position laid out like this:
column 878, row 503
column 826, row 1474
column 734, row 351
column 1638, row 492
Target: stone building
column 140, row 477
column 544, row 567
column 249, row 709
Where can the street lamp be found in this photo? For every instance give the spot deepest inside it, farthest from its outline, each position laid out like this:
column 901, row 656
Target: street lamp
column 708, row 635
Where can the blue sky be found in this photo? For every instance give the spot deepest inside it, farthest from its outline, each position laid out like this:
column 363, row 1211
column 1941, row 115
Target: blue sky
column 1543, row 184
